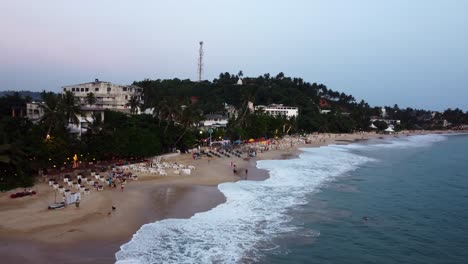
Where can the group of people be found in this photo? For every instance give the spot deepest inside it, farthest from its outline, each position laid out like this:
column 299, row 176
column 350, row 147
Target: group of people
column 117, row 178
column 235, row 169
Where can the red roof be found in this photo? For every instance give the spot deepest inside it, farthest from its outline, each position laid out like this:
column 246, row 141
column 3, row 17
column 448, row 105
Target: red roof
column 324, row 103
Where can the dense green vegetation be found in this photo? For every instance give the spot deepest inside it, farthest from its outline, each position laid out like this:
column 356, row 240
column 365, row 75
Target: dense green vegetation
column 176, row 108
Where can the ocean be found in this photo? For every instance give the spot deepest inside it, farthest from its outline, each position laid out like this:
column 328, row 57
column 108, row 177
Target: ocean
column 395, row 200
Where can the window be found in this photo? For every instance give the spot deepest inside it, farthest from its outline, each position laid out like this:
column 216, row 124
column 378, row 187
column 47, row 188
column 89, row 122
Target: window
column 124, row 89
column 64, row 89
column 126, row 97
column 82, row 89
column 109, row 89
column 87, row 89
column 96, row 89
column 73, row 89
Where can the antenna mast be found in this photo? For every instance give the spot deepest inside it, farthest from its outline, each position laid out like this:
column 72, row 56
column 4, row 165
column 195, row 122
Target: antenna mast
column 200, row 62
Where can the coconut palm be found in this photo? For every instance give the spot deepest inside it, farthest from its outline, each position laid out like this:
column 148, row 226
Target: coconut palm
column 90, row 99
column 134, row 104
column 188, row 117
column 53, row 115
column 70, row 106
column 170, row 109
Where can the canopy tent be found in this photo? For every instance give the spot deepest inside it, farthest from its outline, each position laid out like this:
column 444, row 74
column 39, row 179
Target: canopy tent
column 389, row 129
column 373, row 126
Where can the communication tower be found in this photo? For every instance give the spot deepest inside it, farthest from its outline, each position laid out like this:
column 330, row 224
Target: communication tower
column 200, row 62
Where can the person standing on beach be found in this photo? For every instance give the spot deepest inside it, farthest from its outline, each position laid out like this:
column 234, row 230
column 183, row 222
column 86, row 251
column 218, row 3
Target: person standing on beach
column 122, row 186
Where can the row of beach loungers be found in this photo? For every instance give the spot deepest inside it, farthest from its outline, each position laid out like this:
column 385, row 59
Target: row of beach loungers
column 224, row 153
column 160, row 168
column 83, row 184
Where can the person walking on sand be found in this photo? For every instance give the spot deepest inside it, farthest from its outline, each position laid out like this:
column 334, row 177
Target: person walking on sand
column 77, row 202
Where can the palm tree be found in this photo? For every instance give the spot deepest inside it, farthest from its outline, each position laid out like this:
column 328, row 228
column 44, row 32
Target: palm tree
column 134, row 104
column 189, row 116
column 170, row 110
column 71, row 107
column 53, row 115
column 248, row 96
column 90, row 99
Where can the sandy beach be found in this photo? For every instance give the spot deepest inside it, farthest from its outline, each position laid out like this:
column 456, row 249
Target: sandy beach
column 93, row 232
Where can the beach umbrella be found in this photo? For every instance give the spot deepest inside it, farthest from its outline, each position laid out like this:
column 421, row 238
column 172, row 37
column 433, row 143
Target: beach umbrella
column 251, row 140
column 372, row 126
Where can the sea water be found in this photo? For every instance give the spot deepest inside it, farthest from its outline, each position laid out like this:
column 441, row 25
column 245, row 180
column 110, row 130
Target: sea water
column 384, row 201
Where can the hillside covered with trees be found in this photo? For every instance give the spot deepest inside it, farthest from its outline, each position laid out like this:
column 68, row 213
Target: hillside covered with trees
column 175, row 107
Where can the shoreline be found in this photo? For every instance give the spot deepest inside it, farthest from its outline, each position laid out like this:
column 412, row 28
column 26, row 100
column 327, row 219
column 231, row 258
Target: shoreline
column 97, row 236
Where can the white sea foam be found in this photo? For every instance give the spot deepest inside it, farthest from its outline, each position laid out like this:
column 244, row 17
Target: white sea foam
column 402, row 142
column 254, row 213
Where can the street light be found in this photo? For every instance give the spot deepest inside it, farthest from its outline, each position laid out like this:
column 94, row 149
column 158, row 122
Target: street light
column 210, row 131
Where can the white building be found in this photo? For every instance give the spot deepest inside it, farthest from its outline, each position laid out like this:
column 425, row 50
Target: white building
column 34, row 111
column 108, row 95
column 214, row 121
column 279, row 110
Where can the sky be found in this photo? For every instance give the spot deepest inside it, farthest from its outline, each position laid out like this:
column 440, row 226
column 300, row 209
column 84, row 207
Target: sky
column 411, row 53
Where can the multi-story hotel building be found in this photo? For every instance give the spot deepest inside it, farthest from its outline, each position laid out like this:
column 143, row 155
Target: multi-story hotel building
column 279, row 110
column 108, row 95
